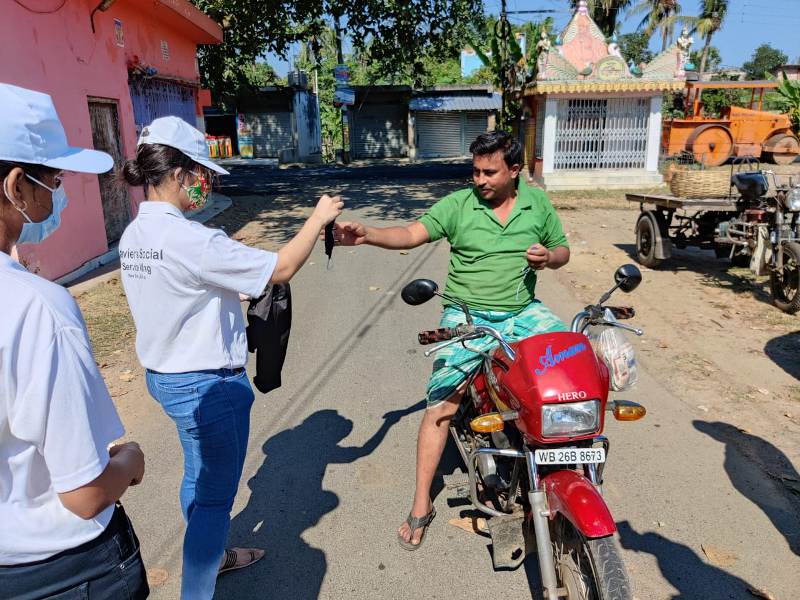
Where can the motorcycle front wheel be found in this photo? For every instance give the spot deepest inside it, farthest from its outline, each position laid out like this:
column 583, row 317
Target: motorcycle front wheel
column 588, row 569
column 785, row 284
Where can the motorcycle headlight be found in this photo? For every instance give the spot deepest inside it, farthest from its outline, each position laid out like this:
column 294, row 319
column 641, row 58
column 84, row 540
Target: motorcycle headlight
column 570, row 419
column 792, row 201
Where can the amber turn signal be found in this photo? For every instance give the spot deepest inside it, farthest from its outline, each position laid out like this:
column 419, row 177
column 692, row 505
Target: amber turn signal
column 487, row 423
column 625, row 410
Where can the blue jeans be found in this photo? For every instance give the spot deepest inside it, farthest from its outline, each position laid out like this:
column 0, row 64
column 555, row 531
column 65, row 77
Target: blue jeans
column 108, row 567
column 211, row 410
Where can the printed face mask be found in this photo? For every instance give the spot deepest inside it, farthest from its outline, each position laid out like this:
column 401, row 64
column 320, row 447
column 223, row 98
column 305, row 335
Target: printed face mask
column 198, row 192
column 34, row 233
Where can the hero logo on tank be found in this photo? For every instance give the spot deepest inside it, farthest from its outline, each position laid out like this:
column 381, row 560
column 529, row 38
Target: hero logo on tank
column 565, row 396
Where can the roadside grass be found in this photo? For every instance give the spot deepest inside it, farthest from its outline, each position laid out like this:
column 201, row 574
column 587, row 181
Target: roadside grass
column 592, row 199
column 108, row 320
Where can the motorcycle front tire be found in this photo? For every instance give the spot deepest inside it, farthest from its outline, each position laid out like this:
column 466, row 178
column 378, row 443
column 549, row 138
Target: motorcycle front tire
column 785, row 286
column 589, row 569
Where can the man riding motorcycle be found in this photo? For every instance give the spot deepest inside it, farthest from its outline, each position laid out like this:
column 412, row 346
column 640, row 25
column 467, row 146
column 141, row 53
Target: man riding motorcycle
column 501, row 231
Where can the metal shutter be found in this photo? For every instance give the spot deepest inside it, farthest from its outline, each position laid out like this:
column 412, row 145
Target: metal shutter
column 380, row 131
column 154, row 98
column 475, row 123
column 438, row 134
column 272, row 132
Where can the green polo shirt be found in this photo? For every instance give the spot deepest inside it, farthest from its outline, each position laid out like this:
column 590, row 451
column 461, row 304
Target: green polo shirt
column 486, row 258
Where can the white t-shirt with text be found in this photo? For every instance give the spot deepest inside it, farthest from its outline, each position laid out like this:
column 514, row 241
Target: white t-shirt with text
column 56, row 418
column 183, row 281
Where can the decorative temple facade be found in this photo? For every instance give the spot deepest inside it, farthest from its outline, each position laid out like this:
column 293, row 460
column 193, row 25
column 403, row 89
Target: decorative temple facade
column 594, row 121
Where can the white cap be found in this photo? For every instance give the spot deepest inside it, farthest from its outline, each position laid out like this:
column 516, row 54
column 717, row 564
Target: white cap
column 30, row 132
column 177, row 133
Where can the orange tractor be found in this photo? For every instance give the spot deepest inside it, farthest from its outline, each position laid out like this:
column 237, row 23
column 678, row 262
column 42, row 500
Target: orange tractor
column 737, row 132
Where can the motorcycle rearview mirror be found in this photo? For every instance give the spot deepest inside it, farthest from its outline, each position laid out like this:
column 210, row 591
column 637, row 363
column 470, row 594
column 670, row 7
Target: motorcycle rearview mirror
column 419, row 291
column 628, row 278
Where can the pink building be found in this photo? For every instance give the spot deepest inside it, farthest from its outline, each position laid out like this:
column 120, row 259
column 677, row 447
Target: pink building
column 110, row 66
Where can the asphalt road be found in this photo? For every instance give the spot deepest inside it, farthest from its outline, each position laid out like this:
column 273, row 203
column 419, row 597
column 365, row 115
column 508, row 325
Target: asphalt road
column 329, row 476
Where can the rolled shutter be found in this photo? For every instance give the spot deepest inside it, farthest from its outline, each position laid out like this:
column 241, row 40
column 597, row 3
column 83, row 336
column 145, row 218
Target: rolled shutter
column 272, row 132
column 438, row 134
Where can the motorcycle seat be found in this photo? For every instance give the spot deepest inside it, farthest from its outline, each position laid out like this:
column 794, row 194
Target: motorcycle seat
column 751, row 184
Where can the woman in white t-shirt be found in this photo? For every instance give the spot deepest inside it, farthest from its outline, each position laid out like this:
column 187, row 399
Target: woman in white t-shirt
column 62, row 532
column 183, row 282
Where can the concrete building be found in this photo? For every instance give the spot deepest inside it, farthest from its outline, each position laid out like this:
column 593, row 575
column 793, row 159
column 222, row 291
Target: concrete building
column 110, row 67
column 378, row 121
column 285, row 123
column 792, row 72
column 445, row 120
column 392, row 121
column 594, row 121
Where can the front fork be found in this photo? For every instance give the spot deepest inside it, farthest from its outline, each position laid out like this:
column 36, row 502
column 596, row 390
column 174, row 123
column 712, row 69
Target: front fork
column 540, row 511
column 540, row 514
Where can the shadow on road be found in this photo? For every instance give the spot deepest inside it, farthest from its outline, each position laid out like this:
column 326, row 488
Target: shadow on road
column 274, row 204
column 714, row 272
column 741, row 450
column 683, row 568
column 784, row 351
column 287, row 499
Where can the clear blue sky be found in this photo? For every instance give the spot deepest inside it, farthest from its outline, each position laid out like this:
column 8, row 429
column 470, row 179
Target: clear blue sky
column 749, row 24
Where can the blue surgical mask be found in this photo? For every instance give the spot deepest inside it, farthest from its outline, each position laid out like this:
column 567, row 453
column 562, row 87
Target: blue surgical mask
column 33, row 233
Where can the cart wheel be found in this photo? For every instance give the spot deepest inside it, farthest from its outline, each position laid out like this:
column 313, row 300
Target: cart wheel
column 783, row 149
column 646, row 243
column 785, row 284
column 711, row 145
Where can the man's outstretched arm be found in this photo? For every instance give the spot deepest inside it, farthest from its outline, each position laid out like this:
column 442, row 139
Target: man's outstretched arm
column 391, row 238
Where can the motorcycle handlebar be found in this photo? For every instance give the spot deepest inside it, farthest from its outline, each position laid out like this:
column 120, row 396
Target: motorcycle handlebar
column 622, row 312
column 433, row 336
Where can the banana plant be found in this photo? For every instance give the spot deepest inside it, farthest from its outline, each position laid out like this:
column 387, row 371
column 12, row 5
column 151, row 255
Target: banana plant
column 788, row 92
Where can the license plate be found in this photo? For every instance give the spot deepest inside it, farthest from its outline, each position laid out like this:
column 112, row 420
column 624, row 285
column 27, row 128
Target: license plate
column 570, row 456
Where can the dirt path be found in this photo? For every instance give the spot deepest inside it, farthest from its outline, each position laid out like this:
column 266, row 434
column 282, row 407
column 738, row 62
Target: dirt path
column 712, row 337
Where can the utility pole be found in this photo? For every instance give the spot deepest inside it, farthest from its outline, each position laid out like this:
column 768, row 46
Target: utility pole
column 502, row 30
column 340, row 60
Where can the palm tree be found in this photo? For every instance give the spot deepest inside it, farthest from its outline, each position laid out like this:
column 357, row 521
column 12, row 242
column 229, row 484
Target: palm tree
column 658, row 15
column 707, row 23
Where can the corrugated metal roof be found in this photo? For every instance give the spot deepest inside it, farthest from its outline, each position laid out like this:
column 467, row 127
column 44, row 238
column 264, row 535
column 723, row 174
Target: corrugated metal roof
column 456, row 103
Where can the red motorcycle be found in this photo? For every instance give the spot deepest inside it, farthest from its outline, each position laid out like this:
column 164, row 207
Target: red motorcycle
column 529, row 431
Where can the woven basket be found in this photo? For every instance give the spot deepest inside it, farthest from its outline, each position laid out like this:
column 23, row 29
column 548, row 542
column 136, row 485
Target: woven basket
column 689, row 183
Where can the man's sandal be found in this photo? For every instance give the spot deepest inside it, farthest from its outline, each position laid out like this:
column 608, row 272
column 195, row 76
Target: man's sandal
column 415, row 523
column 232, row 556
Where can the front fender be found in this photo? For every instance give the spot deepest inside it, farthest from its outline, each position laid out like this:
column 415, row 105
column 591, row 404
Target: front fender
column 578, row 500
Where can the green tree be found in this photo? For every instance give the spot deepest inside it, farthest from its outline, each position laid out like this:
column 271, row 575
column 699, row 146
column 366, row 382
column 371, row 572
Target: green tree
column 506, row 65
column 401, row 38
column 713, row 59
column 708, row 22
column 765, row 60
column 260, row 74
column 635, row 47
column 319, row 57
column 658, row 15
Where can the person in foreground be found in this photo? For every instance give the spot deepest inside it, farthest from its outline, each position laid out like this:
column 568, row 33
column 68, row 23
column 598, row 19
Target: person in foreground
column 183, row 282
column 501, row 232
column 62, row 531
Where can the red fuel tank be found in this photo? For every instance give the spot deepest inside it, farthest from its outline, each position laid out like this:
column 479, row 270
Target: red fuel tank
column 550, row 368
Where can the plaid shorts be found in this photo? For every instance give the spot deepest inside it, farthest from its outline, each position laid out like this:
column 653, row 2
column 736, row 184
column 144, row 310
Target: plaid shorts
column 454, row 364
